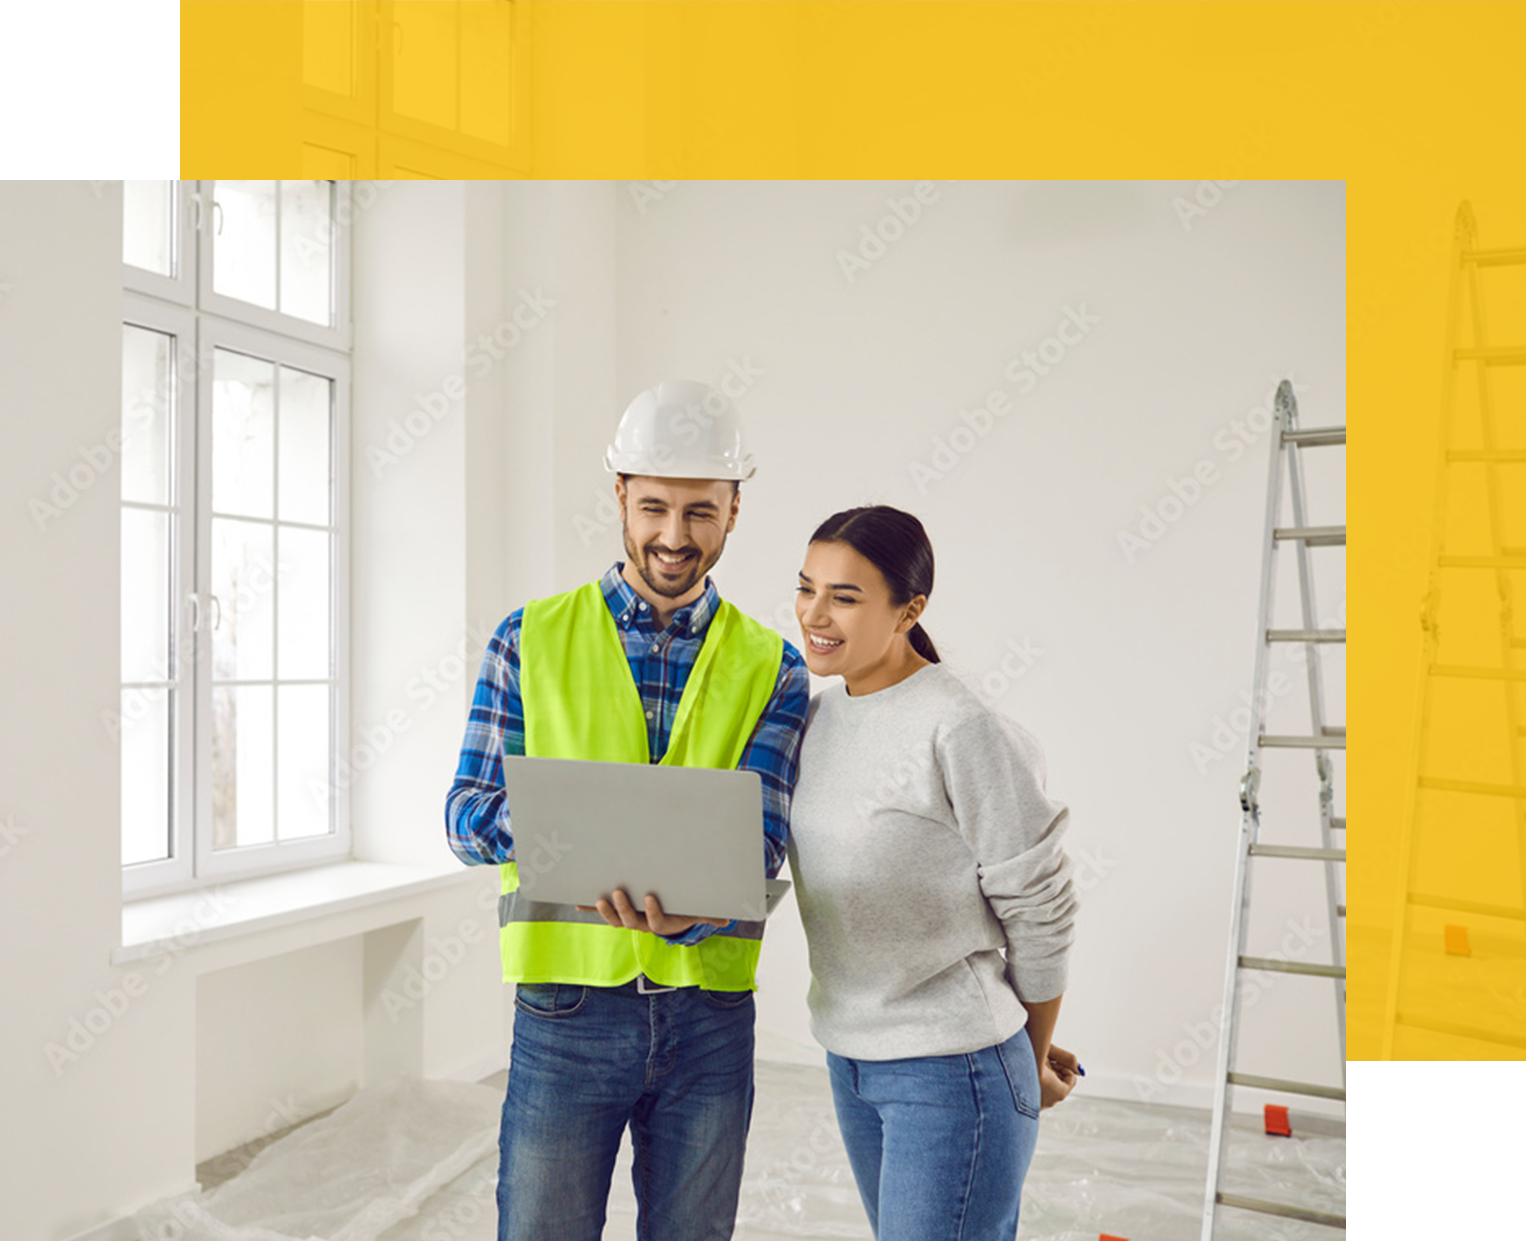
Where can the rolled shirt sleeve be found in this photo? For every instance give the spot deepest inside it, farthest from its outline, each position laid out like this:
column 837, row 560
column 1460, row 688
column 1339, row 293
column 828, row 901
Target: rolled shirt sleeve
column 476, row 809
column 994, row 776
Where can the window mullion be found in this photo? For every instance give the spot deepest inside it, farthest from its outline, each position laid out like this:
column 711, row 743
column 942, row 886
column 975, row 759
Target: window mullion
column 280, row 190
column 202, row 827
column 275, row 571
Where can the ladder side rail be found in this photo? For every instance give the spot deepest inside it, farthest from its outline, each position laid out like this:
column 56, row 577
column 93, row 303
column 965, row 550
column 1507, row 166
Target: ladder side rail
column 1334, row 898
column 1249, row 834
column 1463, row 238
column 1305, row 573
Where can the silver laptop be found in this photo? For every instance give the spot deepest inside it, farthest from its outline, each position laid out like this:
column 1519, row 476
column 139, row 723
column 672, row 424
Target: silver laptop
column 691, row 835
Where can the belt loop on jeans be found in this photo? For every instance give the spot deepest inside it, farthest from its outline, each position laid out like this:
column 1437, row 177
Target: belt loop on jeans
column 643, row 989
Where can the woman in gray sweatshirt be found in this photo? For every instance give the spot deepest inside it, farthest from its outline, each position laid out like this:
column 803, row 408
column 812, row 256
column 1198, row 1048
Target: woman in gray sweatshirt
column 935, row 894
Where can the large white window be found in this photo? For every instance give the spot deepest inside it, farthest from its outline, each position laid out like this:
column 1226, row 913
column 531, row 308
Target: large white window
column 235, row 399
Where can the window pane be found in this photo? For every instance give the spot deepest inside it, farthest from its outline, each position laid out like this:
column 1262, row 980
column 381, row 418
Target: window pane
column 485, row 71
column 304, row 619
column 243, row 775
column 307, row 218
column 244, row 245
column 148, row 225
column 145, row 775
column 243, row 448
column 146, row 407
column 327, row 49
column 423, row 51
column 145, row 595
column 303, row 795
column 244, row 581
column 305, row 447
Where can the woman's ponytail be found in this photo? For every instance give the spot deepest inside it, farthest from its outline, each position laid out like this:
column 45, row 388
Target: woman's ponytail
column 922, row 644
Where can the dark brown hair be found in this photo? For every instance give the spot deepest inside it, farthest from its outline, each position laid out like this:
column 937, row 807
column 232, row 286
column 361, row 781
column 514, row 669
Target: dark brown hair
column 894, row 543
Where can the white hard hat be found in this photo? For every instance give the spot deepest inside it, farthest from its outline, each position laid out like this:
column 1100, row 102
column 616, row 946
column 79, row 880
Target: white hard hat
column 681, row 429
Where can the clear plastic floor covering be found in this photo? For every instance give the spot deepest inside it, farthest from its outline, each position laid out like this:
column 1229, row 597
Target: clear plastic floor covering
column 417, row 1161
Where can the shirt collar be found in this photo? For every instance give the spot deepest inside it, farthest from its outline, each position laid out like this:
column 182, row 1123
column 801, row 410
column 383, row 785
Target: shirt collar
column 628, row 608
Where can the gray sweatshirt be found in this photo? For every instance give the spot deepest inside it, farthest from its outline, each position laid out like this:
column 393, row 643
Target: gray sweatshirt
column 922, row 845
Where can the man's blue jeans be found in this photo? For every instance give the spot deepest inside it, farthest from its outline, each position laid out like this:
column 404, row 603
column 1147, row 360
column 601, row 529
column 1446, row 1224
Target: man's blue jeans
column 588, row 1061
column 940, row 1145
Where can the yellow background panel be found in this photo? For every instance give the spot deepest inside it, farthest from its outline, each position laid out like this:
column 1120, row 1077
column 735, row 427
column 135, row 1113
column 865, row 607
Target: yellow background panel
column 1416, row 106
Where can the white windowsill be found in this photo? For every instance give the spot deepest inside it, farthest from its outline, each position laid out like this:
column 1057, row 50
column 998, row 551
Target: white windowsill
column 184, row 920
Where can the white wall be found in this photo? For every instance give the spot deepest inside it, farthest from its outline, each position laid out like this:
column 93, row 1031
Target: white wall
column 60, row 881
column 1198, row 314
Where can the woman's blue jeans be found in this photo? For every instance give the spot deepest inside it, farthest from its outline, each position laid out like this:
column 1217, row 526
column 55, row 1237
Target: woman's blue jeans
column 588, row 1061
column 940, row 1145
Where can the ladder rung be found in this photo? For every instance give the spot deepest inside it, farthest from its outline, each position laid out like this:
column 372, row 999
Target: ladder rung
column 1329, row 741
column 1298, row 851
column 1314, row 536
column 1283, row 1086
column 1339, row 824
column 1479, row 674
column 1493, row 258
column 1315, row 437
column 1502, row 1038
column 1279, row 966
column 1471, row 786
column 1266, row 1207
column 1505, row 456
column 1430, row 901
column 1305, row 635
column 1493, row 355
column 1482, row 562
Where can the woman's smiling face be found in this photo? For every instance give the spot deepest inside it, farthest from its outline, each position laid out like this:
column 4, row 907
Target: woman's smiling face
column 848, row 623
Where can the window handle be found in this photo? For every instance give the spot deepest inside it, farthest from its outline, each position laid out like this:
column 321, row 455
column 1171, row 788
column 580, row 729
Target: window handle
column 217, row 613
column 195, row 601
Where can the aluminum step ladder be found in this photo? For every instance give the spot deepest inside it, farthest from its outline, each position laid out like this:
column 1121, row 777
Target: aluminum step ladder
column 1423, row 948
column 1288, row 441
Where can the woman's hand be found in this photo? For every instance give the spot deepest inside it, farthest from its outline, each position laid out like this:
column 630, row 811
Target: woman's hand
column 1054, row 1085
column 1057, row 1076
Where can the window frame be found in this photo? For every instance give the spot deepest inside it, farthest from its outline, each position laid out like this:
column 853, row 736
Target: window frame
column 243, row 862
column 180, row 287
column 178, row 322
column 358, row 108
column 177, row 306
column 365, row 126
column 513, row 154
column 234, row 310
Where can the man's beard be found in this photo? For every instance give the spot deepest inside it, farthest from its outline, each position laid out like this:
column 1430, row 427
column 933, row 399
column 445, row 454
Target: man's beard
column 673, row 587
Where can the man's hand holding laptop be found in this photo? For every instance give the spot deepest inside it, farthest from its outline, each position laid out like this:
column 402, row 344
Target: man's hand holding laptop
column 618, row 911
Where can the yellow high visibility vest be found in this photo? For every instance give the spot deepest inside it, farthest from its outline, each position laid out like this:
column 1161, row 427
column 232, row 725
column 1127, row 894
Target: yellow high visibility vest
column 580, row 701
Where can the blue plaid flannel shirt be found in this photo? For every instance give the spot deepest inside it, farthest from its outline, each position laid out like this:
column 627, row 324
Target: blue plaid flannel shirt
column 476, row 814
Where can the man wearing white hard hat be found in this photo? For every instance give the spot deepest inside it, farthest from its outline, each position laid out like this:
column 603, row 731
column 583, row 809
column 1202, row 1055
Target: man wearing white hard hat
column 627, row 1016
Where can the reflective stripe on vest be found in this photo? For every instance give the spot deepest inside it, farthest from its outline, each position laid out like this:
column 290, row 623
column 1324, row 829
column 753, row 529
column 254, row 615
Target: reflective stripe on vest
column 580, row 701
